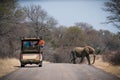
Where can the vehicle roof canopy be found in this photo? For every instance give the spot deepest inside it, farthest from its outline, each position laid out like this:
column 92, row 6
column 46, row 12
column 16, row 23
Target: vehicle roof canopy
column 30, row 39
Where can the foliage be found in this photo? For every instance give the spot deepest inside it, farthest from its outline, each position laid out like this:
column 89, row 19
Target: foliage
column 64, row 39
column 73, row 36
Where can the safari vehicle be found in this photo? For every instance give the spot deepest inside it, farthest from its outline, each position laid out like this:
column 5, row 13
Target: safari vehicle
column 30, row 52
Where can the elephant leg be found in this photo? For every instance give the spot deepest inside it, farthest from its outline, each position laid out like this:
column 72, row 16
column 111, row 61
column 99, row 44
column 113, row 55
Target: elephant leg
column 82, row 57
column 88, row 58
column 74, row 57
column 74, row 61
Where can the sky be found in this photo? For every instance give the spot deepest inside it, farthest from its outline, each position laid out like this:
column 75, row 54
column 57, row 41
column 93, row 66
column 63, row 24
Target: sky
column 69, row 12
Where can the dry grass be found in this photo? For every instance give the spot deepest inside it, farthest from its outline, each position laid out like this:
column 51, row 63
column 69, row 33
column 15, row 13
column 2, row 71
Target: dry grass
column 107, row 67
column 8, row 65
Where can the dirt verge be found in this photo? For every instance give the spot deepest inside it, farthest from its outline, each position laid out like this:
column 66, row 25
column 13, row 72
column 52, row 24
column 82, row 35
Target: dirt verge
column 107, row 67
column 8, row 65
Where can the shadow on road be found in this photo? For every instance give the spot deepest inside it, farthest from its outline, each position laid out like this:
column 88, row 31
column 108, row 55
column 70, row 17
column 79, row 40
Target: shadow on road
column 26, row 66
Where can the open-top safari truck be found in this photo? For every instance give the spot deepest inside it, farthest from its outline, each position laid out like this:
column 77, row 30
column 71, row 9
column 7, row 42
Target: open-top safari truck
column 30, row 52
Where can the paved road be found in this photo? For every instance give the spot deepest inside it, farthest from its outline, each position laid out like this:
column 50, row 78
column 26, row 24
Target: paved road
column 52, row 71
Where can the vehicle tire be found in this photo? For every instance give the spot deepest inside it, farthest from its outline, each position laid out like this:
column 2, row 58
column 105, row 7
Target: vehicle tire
column 22, row 65
column 40, row 64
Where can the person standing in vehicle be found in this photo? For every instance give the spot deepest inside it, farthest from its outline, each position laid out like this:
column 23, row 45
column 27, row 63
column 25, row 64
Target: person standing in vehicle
column 41, row 44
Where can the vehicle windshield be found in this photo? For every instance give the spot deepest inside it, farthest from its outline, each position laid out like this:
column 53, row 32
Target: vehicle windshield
column 30, row 46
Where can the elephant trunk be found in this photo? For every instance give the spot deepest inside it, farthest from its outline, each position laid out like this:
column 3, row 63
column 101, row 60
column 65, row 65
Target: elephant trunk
column 93, row 58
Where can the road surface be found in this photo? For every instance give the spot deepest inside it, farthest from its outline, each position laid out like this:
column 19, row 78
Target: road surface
column 61, row 71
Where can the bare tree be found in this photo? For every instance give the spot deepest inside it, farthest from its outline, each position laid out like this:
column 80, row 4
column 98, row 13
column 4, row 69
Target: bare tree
column 113, row 7
column 39, row 18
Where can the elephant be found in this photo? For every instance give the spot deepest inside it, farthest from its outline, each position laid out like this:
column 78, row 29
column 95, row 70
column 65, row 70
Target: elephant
column 82, row 52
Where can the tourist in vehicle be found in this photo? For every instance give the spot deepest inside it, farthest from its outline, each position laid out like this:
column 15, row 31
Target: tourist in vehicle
column 27, row 44
column 41, row 44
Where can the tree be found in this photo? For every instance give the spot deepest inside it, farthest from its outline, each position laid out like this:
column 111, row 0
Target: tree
column 113, row 7
column 39, row 18
column 10, row 16
column 10, row 27
column 92, row 37
column 57, row 36
column 73, row 37
column 6, row 10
